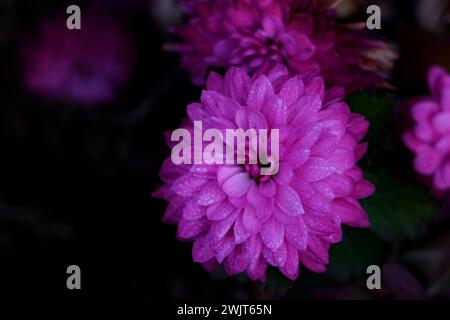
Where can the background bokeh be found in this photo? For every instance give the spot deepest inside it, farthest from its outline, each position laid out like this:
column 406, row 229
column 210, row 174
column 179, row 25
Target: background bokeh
column 75, row 179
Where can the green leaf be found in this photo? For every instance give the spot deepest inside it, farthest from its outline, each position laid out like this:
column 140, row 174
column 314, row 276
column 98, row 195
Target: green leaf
column 350, row 258
column 400, row 207
column 378, row 109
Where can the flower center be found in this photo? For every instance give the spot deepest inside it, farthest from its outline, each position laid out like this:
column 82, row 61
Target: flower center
column 254, row 170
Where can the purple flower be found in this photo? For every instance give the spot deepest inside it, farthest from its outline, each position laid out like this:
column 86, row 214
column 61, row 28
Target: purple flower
column 429, row 139
column 245, row 221
column 303, row 34
column 84, row 66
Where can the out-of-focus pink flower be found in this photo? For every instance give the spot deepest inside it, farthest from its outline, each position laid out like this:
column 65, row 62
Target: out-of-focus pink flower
column 429, row 139
column 303, row 34
column 245, row 221
column 84, row 66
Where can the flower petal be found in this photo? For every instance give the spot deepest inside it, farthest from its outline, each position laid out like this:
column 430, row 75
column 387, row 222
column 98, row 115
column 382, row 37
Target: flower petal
column 238, row 185
column 297, row 234
column 272, row 234
column 260, row 91
column 289, row 201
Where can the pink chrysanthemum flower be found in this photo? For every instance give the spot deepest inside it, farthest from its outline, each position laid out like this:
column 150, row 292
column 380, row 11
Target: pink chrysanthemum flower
column 430, row 137
column 246, row 222
column 84, row 66
column 302, row 34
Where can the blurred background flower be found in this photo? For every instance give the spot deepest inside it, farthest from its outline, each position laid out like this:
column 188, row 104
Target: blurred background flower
column 303, row 34
column 429, row 139
column 84, row 66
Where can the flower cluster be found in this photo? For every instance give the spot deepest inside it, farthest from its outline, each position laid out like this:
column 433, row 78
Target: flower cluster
column 429, row 139
column 302, row 34
column 247, row 222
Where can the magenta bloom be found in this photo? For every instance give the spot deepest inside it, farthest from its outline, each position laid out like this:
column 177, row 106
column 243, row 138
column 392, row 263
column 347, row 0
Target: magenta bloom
column 302, row 34
column 84, row 66
column 430, row 137
column 245, row 221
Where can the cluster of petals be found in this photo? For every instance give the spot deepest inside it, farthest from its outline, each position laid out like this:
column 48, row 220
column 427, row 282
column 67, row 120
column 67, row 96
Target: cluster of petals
column 242, row 221
column 302, row 34
column 429, row 138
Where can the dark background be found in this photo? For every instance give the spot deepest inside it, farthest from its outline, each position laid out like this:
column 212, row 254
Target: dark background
column 75, row 182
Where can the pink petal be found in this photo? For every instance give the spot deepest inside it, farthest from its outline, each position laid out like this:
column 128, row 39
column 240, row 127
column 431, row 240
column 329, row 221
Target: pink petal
column 325, row 146
column 284, row 175
column 311, row 262
column 223, row 247
column 411, row 141
column 250, row 220
column 427, row 160
column 201, row 251
column 241, row 234
column 297, row 157
column 306, row 110
column 276, row 111
column 441, row 122
column 239, row 203
column 214, row 82
column 423, row 110
column 359, row 126
column 220, row 228
column 291, row 90
column 217, row 105
column 220, row 210
column 324, row 225
column 261, row 90
column 280, row 255
column 425, row 132
column 351, row 213
column 257, row 271
column 342, row 186
column 193, row 211
column 188, row 229
column 210, row 194
column 318, row 248
column 264, row 213
column 268, row 189
column 237, row 85
column 289, row 201
column 308, row 135
column 297, row 234
column 255, row 198
column 256, row 120
column 360, row 151
column 236, row 261
column 268, row 256
column 225, row 172
column 238, row 185
column 272, row 234
column 435, row 74
column 316, row 169
column 315, row 87
column 291, row 266
column 442, row 177
column 188, row 185
column 363, row 189
column 253, row 248
column 342, row 160
column 211, row 265
column 196, row 112
column 173, row 212
column 312, row 198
